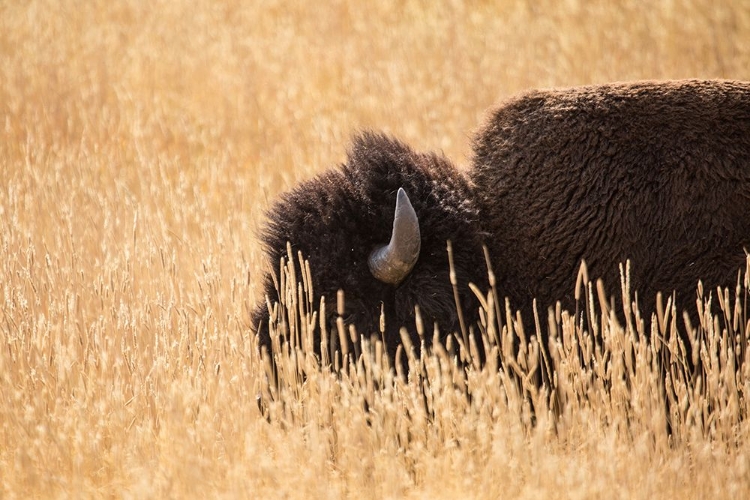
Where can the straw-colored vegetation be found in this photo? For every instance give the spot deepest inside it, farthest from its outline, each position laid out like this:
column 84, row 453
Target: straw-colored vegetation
column 140, row 143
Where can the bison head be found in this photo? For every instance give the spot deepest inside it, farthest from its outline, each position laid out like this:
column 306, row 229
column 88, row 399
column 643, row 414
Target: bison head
column 377, row 229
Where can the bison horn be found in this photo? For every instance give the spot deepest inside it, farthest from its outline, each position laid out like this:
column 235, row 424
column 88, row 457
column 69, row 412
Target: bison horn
column 391, row 263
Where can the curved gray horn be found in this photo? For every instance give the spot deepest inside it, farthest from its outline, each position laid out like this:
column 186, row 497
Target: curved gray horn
column 391, row 263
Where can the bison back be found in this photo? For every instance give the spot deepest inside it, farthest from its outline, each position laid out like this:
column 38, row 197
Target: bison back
column 658, row 173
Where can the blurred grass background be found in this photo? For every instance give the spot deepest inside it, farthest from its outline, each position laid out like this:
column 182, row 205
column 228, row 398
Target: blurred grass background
column 140, row 143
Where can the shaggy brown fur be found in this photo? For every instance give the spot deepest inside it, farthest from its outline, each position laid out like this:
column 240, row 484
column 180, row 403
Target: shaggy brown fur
column 658, row 173
column 654, row 172
column 338, row 218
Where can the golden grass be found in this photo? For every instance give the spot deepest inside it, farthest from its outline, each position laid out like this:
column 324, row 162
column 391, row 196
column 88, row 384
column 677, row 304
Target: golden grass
column 140, row 143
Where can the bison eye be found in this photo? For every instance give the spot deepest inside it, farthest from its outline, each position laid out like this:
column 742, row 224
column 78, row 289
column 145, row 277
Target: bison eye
column 348, row 316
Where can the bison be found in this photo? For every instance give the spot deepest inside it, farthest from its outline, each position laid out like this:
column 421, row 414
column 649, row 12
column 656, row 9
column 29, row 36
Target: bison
column 654, row 172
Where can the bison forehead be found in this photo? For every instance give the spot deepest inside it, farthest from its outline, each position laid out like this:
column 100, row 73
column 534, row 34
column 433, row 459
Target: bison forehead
column 353, row 206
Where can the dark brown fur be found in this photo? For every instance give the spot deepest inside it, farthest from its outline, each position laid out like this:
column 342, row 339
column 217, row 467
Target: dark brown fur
column 658, row 173
column 654, row 172
column 338, row 218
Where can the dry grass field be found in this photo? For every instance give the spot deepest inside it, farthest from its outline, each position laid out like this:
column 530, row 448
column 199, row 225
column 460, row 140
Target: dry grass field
column 140, row 143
